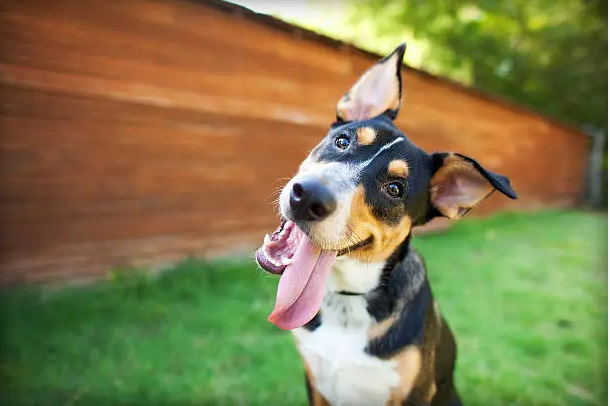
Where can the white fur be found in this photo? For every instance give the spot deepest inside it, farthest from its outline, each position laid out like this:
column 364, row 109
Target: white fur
column 354, row 276
column 330, row 232
column 342, row 371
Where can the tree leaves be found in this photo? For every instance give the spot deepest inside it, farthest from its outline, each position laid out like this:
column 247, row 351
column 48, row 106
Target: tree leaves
column 550, row 55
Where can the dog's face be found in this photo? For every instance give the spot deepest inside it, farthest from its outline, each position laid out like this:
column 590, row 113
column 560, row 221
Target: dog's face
column 359, row 193
column 365, row 185
column 360, row 190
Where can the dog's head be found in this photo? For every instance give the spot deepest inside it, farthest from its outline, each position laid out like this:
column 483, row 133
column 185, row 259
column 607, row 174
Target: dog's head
column 362, row 189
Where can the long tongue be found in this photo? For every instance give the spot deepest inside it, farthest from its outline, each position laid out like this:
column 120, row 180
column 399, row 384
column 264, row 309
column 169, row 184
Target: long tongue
column 301, row 287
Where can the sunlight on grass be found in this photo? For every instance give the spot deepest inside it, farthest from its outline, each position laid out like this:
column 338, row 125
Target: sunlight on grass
column 526, row 295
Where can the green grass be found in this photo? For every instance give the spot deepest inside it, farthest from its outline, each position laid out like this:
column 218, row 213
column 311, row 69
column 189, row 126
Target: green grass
column 526, row 295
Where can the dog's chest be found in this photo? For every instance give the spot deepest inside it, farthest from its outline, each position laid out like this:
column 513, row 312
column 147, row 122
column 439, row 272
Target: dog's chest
column 335, row 355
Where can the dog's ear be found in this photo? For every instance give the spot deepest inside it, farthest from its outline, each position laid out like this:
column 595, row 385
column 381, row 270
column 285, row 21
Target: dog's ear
column 459, row 183
column 378, row 90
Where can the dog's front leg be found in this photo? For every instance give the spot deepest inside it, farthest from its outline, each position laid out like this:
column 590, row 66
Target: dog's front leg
column 315, row 397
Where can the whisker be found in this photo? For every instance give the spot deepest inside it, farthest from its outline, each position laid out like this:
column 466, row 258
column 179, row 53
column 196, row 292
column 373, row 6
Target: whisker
column 353, row 235
column 275, row 194
column 277, row 190
column 281, row 180
column 351, row 231
column 349, row 239
column 347, row 243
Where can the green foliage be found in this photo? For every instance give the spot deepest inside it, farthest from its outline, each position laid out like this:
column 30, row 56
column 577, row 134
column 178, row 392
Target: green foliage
column 525, row 294
column 550, row 55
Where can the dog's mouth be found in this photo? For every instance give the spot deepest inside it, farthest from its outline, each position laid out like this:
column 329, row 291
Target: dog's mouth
column 304, row 268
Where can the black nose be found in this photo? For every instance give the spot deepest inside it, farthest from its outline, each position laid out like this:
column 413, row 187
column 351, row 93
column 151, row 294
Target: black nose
column 310, row 200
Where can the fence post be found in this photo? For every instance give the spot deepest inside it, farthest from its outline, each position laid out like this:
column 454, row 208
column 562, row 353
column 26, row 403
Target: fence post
column 595, row 170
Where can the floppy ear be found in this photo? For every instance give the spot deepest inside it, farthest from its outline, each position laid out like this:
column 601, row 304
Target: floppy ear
column 459, row 183
column 378, row 90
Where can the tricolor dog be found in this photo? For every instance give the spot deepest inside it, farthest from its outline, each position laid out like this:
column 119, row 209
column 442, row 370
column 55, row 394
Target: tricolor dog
column 352, row 290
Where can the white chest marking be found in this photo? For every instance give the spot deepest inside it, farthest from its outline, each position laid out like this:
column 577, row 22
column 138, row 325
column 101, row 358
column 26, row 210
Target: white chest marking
column 343, row 372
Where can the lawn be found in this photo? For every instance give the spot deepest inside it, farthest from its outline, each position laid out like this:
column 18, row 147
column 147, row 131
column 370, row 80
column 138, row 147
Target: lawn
column 526, row 295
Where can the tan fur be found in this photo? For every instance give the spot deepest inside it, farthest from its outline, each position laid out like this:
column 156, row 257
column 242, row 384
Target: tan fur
column 363, row 224
column 415, row 365
column 366, row 135
column 431, row 392
column 425, row 385
column 456, row 171
column 399, row 168
column 316, row 397
column 408, row 367
column 437, row 316
column 379, row 329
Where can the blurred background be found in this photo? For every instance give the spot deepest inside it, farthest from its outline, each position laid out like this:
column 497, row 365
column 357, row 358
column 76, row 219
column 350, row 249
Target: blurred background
column 142, row 143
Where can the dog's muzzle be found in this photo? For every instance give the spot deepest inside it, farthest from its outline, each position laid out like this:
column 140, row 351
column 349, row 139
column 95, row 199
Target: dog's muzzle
column 310, row 200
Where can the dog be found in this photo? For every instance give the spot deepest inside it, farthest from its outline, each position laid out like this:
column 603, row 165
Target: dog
column 353, row 291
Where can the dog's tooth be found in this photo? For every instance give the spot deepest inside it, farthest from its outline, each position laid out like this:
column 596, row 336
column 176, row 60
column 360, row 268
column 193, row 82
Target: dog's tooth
column 266, row 239
column 266, row 252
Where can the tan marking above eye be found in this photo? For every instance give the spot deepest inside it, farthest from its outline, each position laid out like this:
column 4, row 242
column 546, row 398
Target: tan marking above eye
column 366, row 135
column 399, row 168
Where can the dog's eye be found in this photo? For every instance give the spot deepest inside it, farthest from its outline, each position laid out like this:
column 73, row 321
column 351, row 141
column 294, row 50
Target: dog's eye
column 394, row 189
column 342, row 142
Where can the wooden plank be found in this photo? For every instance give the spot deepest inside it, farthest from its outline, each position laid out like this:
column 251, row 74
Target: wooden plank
column 141, row 131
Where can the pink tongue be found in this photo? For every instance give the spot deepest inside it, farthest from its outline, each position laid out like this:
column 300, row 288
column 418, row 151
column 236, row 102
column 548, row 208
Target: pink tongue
column 301, row 287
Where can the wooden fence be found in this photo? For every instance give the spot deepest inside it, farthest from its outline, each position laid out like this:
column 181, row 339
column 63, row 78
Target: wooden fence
column 140, row 131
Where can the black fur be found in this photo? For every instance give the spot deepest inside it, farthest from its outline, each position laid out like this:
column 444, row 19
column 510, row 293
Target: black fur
column 408, row 329
column 422, row 167
column 314, row 323
column 382, row 301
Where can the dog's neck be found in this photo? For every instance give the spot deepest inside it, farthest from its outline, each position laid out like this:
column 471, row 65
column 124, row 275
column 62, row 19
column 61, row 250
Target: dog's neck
column 352, row 277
